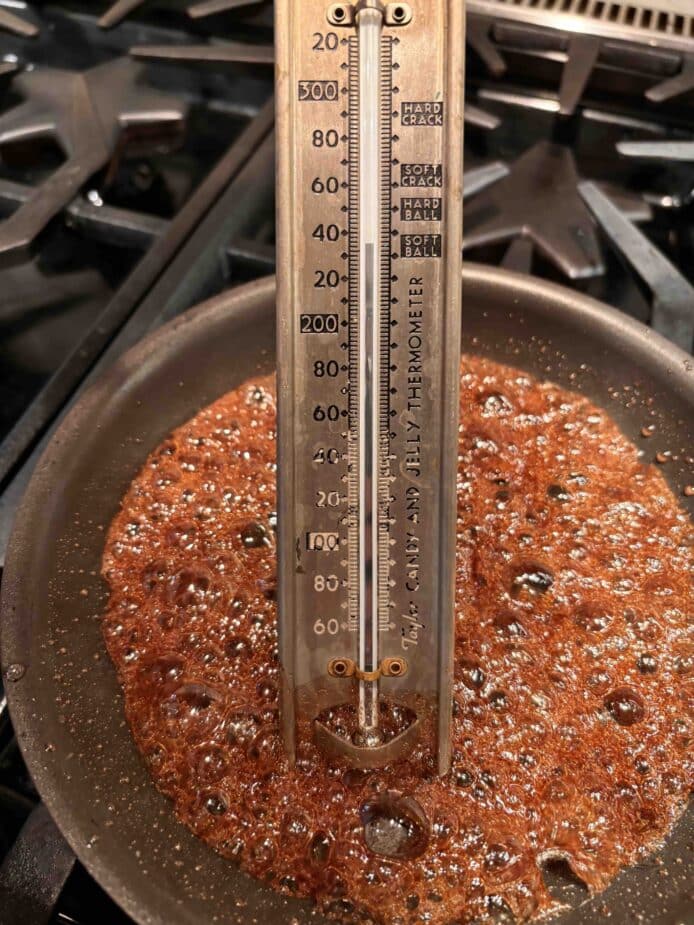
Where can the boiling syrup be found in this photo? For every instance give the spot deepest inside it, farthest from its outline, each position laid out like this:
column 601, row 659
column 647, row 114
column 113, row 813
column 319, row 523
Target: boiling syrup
column 572, row 721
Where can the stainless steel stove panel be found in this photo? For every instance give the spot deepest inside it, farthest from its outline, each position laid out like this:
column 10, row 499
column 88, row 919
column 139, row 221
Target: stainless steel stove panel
column 666, row 23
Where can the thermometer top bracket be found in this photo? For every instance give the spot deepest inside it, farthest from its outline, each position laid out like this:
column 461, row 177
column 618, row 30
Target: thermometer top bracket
column 345, row 14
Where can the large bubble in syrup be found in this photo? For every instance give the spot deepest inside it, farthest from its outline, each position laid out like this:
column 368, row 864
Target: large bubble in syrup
column 530, row 577
column 395, row 826
column 625, row 706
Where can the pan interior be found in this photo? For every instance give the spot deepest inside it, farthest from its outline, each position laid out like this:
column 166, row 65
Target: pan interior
column 67, row 707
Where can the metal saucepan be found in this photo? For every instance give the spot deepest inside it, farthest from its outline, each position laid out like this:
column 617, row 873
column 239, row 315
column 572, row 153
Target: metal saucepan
column 67, row 707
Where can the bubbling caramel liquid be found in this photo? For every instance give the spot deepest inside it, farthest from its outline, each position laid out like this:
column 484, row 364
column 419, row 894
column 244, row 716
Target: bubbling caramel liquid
column 572, row 720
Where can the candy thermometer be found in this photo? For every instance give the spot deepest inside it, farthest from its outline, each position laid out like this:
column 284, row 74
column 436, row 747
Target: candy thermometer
column 369, row 136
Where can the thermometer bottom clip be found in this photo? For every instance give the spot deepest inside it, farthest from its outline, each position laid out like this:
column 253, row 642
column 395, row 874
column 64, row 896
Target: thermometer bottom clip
column 360, row 751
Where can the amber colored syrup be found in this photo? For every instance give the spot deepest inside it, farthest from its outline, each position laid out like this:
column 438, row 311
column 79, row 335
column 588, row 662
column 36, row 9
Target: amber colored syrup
column 572, row 722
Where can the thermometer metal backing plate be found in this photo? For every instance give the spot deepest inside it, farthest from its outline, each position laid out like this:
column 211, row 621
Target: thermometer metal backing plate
column 421, row 126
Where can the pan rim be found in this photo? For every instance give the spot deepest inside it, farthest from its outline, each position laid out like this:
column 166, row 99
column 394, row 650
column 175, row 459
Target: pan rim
column 245, row 298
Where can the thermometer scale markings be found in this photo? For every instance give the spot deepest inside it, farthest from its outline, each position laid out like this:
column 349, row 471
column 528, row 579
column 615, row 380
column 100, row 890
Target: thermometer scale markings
column 366, row 538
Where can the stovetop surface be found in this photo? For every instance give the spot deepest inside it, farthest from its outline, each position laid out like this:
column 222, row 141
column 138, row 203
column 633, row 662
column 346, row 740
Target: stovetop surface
column 579, row 161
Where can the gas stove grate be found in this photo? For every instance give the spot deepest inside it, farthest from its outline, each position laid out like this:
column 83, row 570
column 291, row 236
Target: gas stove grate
column 667, row 23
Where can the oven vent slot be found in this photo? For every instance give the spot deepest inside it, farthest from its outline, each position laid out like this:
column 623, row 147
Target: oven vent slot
column 666, row 21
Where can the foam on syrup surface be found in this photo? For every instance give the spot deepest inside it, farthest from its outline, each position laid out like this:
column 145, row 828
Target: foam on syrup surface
column 572, row 723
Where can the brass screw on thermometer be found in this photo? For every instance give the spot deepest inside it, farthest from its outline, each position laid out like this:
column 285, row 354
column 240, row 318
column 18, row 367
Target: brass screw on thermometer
column 369, row 136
